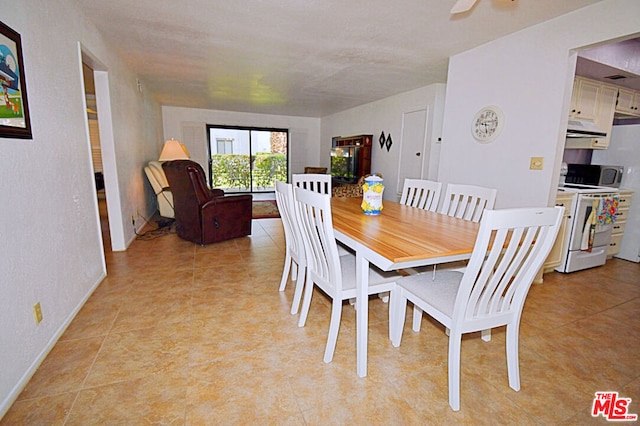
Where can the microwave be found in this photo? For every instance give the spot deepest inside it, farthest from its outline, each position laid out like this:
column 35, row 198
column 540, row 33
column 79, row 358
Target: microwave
column 594, row 174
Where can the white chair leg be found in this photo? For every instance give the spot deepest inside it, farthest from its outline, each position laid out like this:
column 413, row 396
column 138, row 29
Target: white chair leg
column 334, row 327
column 513, row 367
column 306, row 301
column 294, row 271
column 297, row 294
column 486, row 335
column 455, row 342
column 285, row 273
column 417, row 318
column 397, row 313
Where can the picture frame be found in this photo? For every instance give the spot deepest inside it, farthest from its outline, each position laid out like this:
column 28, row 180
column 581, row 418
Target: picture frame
column 14, row 107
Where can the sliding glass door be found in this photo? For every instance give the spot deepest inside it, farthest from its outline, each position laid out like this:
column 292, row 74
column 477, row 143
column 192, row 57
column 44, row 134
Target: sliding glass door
column 247, row 159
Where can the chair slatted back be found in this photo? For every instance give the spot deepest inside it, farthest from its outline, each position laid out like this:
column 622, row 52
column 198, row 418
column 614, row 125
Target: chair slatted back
column 511, row 246
column 314, row 218
column 320, row 183
column 423, row 194
column 467, row 202
column 286, row 207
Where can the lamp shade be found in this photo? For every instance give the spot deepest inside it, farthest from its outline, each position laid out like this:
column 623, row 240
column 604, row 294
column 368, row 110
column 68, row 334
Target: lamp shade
column 173, row 150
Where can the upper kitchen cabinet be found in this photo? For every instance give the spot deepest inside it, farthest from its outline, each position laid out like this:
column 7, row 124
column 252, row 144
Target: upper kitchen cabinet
column 606, row 111
column 600, row 100
column 616, row 64
column 584, row 99
column 628, row 102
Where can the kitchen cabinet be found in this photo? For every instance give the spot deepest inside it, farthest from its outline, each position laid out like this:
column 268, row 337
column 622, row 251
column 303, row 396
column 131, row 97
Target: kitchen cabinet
column 554, row 259
column 621, row 220
column 585, row 99
column 605, row 109
column 628, row 102
column 587, row 143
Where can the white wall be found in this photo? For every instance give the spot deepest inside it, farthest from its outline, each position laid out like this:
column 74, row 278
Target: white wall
column 624, row 150
column 304, row 133
column 50, row 248
column 50, row 239
column 528, row 74
column 386, row 116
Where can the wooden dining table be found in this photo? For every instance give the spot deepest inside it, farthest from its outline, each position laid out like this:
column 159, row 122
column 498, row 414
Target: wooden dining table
column 398, row 238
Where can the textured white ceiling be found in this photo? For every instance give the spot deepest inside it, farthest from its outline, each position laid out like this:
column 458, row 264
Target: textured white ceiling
column 300, row 57
column 619, row 59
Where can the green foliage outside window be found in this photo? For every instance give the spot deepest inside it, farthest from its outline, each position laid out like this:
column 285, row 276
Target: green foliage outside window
column 233, row 170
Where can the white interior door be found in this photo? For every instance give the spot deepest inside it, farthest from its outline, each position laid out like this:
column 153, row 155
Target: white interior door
column 413, row 147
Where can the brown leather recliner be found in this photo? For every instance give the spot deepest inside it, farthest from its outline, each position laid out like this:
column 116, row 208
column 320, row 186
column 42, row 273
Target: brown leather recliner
column 205, row 215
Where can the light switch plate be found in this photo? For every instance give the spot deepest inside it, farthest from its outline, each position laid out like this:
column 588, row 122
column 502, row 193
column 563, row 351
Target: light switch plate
column 536, row 163
column 37, row 313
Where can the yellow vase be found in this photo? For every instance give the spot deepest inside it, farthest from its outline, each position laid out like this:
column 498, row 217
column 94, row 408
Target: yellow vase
column 372, row 190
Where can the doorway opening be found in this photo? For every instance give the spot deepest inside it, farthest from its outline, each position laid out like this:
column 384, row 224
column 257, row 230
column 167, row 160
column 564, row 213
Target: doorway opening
column 96, row 152
column 247, row 159
column 95, row 76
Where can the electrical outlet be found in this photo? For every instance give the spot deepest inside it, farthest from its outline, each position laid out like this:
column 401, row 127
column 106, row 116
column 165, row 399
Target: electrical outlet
column 536, row 163
column 37, row 313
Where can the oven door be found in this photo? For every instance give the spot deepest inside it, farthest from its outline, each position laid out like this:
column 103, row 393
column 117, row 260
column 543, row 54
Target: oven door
column 581, row 229
column 583, row 253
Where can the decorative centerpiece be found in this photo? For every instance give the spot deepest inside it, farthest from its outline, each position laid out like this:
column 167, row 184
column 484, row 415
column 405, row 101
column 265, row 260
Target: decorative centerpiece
column 372, row 195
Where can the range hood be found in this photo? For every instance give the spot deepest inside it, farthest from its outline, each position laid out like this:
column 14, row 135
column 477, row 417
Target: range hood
column 583, row 129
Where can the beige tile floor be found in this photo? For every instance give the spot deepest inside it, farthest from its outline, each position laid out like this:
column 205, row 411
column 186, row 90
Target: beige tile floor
column 182, row 334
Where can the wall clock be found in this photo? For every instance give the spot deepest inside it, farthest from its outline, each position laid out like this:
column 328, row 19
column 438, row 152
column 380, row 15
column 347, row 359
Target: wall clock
column 487, row 124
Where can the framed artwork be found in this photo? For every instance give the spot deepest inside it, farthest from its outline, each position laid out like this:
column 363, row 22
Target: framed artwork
column 14, row 108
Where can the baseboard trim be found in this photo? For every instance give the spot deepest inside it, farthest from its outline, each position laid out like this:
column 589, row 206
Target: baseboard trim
column 11, row 398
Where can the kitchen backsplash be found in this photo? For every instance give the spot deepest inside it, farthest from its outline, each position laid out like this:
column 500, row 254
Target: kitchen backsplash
column 577, row 156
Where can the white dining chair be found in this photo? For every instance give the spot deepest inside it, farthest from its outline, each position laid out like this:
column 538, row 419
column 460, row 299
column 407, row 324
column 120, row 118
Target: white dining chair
column 333, row 274
column 467, row 202
column 511, row 246
column 320, row 183
column 313, row 182
column 295, row 261
column 420, row 193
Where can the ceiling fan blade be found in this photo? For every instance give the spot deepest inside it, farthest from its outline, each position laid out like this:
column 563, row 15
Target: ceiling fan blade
column 462, row 6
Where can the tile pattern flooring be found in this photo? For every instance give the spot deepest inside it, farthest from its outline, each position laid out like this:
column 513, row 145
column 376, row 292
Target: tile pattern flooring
column 182, row 334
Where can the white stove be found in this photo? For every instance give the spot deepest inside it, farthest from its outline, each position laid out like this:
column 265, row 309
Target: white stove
column 587, row 189
column 587, row 247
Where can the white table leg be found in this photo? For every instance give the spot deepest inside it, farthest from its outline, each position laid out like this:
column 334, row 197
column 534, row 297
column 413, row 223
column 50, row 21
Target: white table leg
column 362, row 313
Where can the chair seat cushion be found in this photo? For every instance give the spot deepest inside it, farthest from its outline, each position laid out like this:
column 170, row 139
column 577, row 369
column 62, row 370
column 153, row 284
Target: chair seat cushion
column 376, row 276
column 440, row 292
